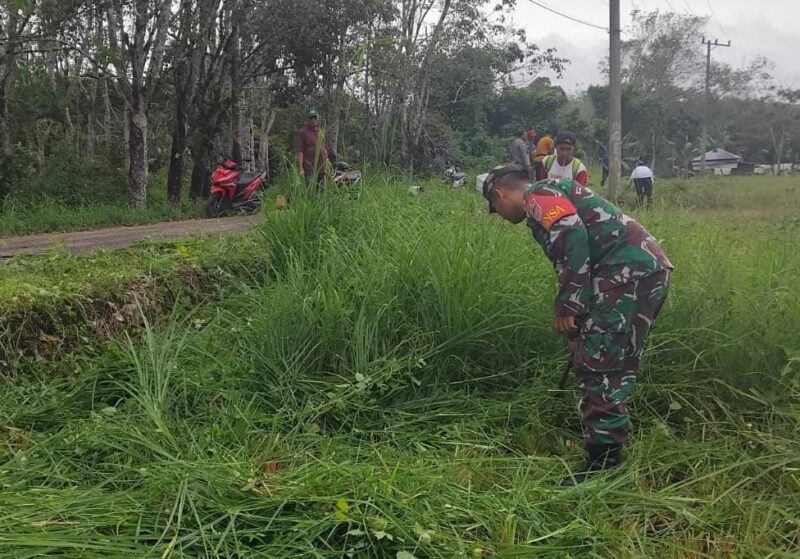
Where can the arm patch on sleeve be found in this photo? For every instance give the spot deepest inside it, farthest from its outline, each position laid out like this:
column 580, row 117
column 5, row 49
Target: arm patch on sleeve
column 547, row 210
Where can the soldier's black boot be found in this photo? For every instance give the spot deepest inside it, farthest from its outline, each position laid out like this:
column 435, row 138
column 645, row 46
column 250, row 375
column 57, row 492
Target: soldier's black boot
column 601, row 457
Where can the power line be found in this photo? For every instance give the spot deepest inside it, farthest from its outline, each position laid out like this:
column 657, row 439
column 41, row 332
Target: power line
column 719, row 23
column 576, row 20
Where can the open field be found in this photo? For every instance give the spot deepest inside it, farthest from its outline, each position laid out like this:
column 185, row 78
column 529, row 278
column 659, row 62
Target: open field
column 389, row 392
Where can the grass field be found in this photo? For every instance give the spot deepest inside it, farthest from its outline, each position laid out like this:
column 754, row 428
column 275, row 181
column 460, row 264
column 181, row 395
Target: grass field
column 19, row 215
column 389, row 392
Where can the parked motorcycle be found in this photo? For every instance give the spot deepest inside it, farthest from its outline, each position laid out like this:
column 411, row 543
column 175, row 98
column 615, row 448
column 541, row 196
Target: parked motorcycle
column 456, row 179
column 344, row 175
column 234, row 191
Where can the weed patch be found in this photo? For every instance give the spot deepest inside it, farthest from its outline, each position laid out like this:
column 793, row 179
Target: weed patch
column 389, row 392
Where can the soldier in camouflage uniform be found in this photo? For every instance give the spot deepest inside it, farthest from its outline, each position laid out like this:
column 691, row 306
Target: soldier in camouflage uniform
column 613, row 280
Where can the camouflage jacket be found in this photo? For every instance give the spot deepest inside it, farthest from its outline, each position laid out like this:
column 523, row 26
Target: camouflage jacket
column 592, row 244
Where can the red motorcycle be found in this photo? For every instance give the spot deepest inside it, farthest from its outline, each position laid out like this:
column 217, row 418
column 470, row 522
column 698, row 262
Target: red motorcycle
column 234, row 191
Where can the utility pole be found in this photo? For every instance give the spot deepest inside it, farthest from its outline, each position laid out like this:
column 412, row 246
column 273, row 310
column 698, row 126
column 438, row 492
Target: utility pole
column 614, row 103
column 704, row 139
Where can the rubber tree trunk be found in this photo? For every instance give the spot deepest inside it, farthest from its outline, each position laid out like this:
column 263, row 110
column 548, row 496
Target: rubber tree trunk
column 267, row 121
column 247, row 134
column 91, row 133
column 236, row 130
column 236, row 88
column 177, row 149
column 137, row 171
column 201, row 178
column 126, row 130
column 106, row 115
column 336, row 116
column 41, row 128
column 201, row 146
column 5, row 129
column 7, row 73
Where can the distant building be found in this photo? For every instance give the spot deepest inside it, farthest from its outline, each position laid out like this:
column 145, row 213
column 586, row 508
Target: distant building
column 782, row 169
column 718, row 160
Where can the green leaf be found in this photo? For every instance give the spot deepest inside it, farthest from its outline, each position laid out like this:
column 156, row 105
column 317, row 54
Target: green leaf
column 405, row 555
column 377, row 524
column 425, row 536
column 356, row 532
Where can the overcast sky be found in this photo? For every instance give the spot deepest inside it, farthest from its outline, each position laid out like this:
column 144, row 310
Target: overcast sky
column 763, row 27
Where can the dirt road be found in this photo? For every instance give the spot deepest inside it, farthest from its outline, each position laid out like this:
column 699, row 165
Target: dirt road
column 84, row 242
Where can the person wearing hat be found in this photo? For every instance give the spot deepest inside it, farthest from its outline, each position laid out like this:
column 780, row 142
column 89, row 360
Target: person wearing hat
column 613, row 279
column 563, row 164
column 312, row 150
column 532, row 139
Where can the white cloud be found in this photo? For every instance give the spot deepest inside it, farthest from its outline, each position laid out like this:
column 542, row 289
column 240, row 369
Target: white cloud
column 767, row 29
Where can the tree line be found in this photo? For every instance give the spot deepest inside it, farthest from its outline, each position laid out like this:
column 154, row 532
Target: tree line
column 98, row 96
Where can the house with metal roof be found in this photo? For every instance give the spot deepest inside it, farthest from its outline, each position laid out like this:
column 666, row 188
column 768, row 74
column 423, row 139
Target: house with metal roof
column 719, row 161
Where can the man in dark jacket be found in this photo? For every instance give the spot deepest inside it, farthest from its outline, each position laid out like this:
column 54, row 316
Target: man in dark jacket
column 520, row 154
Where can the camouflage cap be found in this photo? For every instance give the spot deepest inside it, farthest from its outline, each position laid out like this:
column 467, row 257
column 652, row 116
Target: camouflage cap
column 494, row 177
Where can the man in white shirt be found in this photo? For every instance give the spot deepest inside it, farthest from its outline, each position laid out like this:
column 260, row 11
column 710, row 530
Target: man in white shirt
column 642, row 178
column 563, row 164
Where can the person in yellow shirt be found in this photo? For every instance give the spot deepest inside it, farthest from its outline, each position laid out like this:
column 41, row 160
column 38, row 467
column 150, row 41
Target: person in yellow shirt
column 544, row 147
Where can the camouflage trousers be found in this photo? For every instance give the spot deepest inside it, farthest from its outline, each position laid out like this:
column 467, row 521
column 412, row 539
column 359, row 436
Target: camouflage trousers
column 608, row 351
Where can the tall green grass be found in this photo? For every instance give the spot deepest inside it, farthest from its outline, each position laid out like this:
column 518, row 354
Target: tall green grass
column 389, row 392
column 50, row 215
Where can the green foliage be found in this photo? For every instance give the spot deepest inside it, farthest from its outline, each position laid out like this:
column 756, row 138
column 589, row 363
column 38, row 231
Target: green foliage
column 522, row 108
column 74, row 180
column 482, row 152
column 654, row 129
column 386, row 393
column 36, row 97
column 15, row 167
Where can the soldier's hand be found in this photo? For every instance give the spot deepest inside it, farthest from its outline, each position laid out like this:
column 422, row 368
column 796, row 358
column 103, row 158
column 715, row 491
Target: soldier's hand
column 565, row 324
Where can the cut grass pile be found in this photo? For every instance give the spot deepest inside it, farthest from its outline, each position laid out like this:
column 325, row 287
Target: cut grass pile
column 389, row 394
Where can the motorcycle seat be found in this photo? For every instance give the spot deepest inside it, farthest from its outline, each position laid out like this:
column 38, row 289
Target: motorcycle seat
column 246, row 178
